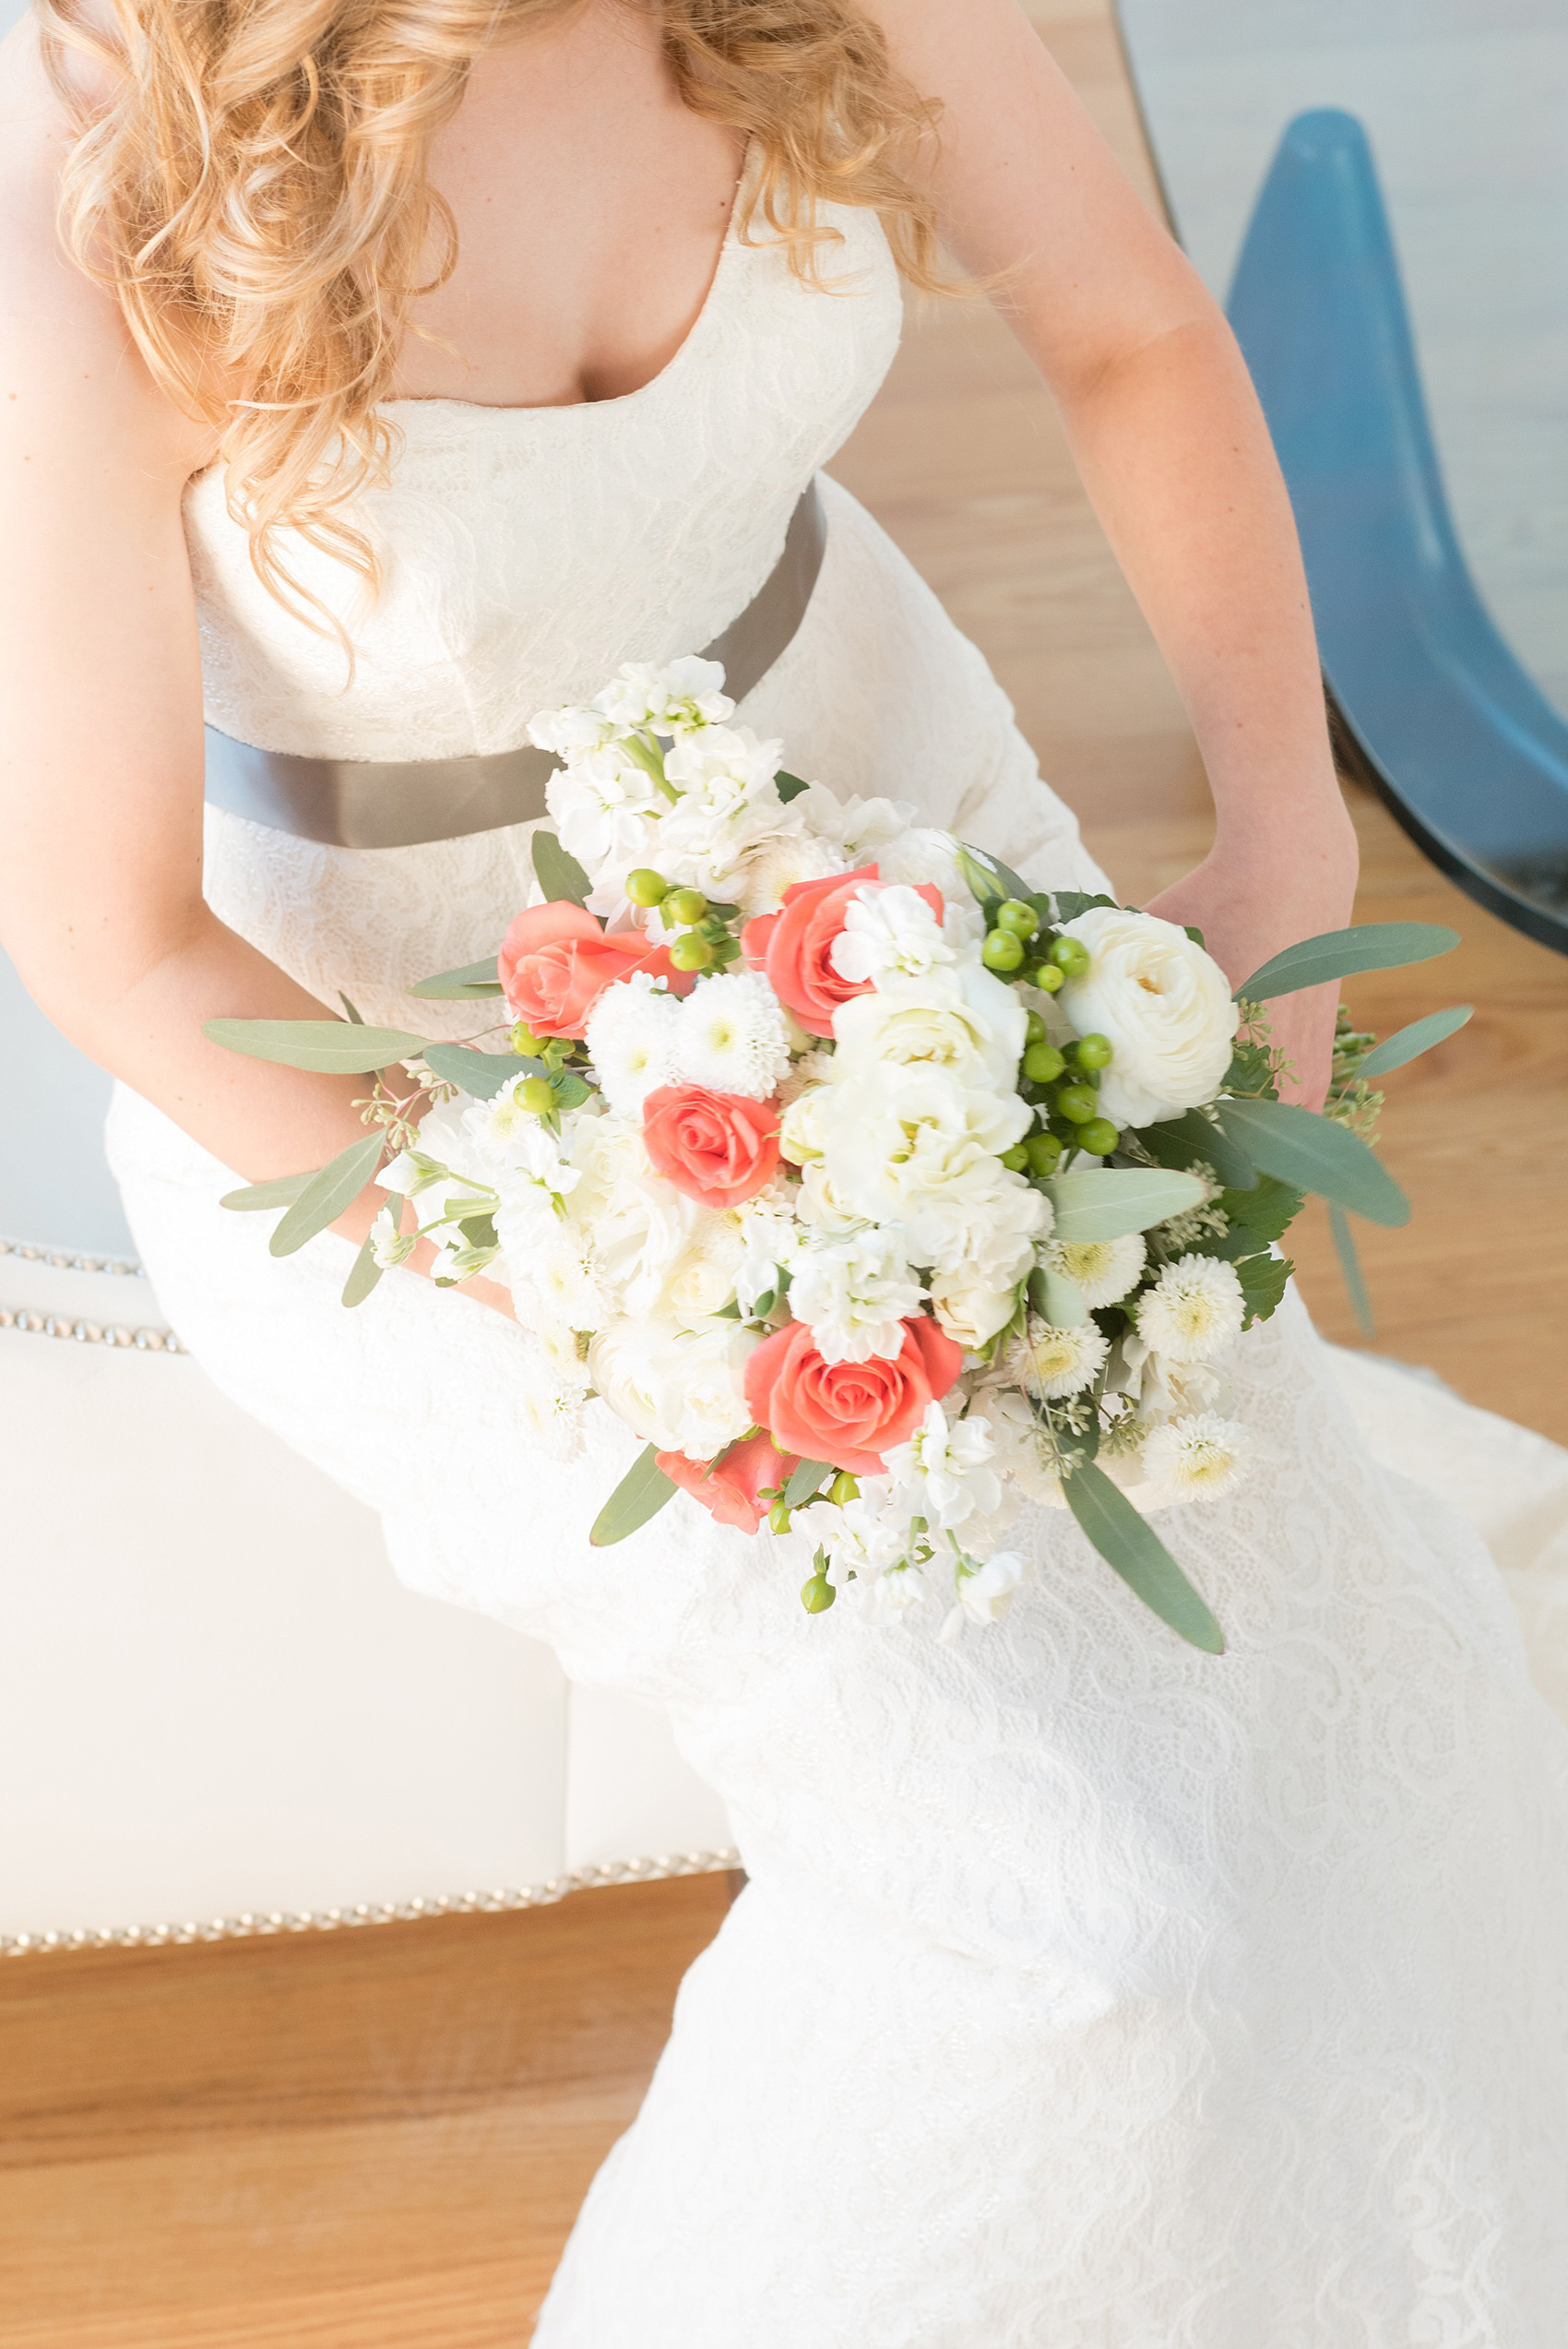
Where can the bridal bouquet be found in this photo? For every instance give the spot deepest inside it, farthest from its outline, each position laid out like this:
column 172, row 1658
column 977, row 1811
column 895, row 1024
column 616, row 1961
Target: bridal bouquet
column 875, row 1190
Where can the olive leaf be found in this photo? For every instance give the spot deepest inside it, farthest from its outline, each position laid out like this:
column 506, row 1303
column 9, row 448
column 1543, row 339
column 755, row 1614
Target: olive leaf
column 327, row 1193
column 1340, row 954
column 327, row 1048
column 467, row 985
column 1312, row 1153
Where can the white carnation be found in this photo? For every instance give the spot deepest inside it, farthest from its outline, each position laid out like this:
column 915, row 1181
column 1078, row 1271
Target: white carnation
column 903, row 1139
column 856, row 1292
column 730, row 1036
column 680, row 1389
column 631, row 1041
column 1199, row 1458
column 889, row 936
column 1101, row 1271
column 1194, row 1310
column 1053, row 1362
column 945, row 1470
column 1165, row 1006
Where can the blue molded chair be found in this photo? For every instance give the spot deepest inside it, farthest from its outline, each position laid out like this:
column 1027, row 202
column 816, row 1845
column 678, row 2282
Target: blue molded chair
column 1434, row 709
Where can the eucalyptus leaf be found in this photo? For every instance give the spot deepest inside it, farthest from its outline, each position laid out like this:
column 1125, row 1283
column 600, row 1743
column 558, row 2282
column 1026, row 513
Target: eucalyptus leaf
column 283, row 1190
column 1104, row 1203
column 480, row 1073
column 1311, row 1154
column 327, row 1193
column 363, row 1273
column 327, row 1048
column 807, row 1477
column 1130, row 1544
column 1350, row 1269
column 1409, row 1044
column 560, row 875
column 1340, row 954
column 1057, row 1300
column 1180, row 1141
column 474, row 981
column 788, row 786
column 641, row 1494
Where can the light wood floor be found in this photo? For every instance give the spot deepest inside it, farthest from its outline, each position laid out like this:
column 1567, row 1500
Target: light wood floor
column 377, row 2142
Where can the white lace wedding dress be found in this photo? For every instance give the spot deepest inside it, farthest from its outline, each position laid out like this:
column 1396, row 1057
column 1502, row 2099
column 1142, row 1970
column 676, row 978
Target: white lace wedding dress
column 1088, row 1993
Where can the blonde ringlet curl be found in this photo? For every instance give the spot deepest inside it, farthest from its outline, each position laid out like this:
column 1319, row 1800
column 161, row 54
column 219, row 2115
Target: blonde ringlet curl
column 250, row 178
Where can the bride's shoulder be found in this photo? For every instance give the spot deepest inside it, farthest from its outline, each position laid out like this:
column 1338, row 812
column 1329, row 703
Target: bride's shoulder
column 66, row 352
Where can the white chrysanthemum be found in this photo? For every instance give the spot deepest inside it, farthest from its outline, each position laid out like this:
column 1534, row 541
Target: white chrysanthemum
column 1194, row 1310
column 889, row 935
column 856, row 1292
column 945, row 1469
column 730, row 1036
column 1053, row 1362
column 1101, row 1271
column 1199, row 1458
column 631, row 1041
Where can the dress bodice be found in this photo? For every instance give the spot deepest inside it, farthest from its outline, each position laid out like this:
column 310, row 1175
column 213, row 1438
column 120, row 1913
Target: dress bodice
column 527, row 552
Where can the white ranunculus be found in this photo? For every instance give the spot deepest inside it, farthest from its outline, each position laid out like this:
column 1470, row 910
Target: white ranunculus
column 970, row 1308
column 1165, row 1006
column 680, row 1389
column 963, row 1019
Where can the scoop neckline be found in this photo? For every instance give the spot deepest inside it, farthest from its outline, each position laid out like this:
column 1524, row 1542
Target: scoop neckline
column 695, row 332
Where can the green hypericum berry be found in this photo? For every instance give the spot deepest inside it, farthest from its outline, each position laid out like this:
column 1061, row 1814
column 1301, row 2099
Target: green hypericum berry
column 1048, row 978
column 522, row 1041
column 691, row 951
column 537, row 1095
column 1001, row 951
column 1070, row 956
column 1100, row 1137
column 1035, row 1029
column 645, row 887
column 1077, row 1104
column 779, row 1518
column 818, row 1595
column 1017, row 1158
column 685, row 905
column 1014, row 916
column 1092, row 1052
column 844, row 1487
column 1042, row 1063
column 1044, row 1154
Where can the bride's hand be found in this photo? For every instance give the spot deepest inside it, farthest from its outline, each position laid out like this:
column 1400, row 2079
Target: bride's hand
column 1251, row 906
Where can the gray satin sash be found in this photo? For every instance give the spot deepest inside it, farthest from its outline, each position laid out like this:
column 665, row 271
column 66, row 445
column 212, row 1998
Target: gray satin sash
column 368, row 802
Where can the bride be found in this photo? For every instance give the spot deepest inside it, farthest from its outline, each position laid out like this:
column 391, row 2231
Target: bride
column 379, row 372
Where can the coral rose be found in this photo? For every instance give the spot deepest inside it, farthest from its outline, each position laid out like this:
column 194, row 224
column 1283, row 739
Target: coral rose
column 719, row 1148
column 555, row 962
column 794, row 949
column 731, row 1486
column 849, row 1412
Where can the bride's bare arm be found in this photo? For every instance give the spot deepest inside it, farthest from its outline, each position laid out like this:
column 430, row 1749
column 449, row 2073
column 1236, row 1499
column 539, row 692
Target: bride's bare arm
column 100, row 754
column 1176, row 457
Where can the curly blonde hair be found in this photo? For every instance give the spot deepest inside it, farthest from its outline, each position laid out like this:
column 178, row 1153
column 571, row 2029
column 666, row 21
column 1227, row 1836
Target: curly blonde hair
column 254, row 188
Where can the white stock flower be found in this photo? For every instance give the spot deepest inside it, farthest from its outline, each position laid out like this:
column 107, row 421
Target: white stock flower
column 730, row 1036
column 856, row 1292
column 675, row 698
column 1054, row 1363
column 889, row 936
column 1164, row 1005
column 1101, row 1271
column 922, row 853
column 1024, row 1450
column 553, row 1273
column 946, row 1470
column 605, row 808
column 866, row 1537
column 680, row 1389
column 1198, row 1458
column 1194, row 1310
column 527, row 1165
column 551, row 1403
column 970, row 1307
column 860, row 829
column 987, row 1593
column 768, row 1236
column 720, row 772
column 963, row 1019
column 631, row 1040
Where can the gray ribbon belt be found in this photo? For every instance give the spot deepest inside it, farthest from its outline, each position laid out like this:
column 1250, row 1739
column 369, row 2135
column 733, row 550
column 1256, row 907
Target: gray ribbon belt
column 371, row 803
